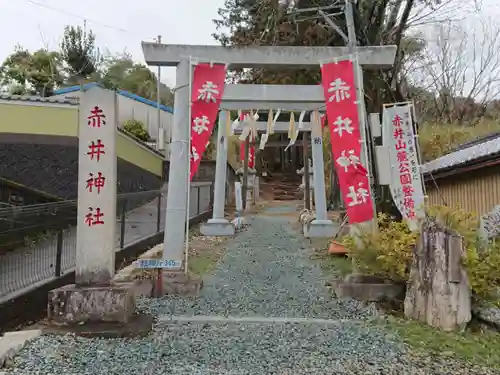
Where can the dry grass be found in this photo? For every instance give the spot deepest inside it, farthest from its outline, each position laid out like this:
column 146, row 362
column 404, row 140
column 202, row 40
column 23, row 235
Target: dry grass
column 233, row 152
column 204, row 254
column 439, row 139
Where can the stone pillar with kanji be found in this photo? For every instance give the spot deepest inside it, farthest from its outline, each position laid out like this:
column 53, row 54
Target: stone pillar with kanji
column 94, row 297
column 96, row 223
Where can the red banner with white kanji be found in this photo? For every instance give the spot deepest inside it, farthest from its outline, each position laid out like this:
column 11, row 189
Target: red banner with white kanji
column 251, row 151
column 206, row 95
column 343, row 122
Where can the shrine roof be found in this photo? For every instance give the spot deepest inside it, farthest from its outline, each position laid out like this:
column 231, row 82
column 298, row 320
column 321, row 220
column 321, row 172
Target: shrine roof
column 38, row 99
column 477, row 151
column 124, row 93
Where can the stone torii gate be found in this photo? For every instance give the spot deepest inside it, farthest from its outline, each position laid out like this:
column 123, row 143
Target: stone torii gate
column 238, row 97
column 266, row 97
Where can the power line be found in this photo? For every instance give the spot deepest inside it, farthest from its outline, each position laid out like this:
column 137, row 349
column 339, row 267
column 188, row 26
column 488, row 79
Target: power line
column 75, row 15
column 84, row 18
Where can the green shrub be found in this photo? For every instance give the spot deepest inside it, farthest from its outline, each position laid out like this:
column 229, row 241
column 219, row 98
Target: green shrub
column 385, row 253
column 137, row 129
column 388, row 252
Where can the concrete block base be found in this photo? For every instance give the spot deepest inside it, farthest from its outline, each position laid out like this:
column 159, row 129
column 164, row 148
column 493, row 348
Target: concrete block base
column 239, row 222
column 12, row 342
column 76, row 305
column 320, row 229
column 217, row 227
column 137, row 326
column 180, row 284
column 369, row 289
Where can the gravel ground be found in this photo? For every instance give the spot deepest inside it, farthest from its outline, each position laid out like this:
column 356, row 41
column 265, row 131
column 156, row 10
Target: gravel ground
column 265, row 272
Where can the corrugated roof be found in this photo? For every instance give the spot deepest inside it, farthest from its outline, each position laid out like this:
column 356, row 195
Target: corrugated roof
column 121, row 92
column 39, row 99
column 477, row 141
column 487, row 148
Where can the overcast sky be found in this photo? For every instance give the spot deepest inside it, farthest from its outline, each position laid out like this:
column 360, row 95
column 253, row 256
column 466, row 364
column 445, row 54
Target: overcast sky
column 119, row 26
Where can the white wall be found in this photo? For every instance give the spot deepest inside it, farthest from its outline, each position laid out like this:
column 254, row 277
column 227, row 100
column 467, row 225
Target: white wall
column 129, row 109
column 132, row 109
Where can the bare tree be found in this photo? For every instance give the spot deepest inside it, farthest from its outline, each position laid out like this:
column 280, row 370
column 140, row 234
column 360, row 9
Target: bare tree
column 428, row 12
column 459, row 68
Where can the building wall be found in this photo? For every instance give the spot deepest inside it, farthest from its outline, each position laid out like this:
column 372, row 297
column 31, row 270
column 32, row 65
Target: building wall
column 39, row 150
column 130, row 109
column 474, row 191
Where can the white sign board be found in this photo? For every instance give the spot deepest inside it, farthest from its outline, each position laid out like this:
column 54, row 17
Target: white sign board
column 237, row 193
column 382, row 159
column 96, row 225
column 158, row 263
column 374, row 121
column 405, row 177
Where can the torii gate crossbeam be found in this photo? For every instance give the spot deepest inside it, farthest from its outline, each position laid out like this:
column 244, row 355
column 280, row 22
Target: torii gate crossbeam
column 375, row 57
column 265, row 97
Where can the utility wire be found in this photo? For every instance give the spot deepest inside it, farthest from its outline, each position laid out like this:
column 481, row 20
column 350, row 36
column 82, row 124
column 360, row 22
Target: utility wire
column 70, row 14
column 84, row 18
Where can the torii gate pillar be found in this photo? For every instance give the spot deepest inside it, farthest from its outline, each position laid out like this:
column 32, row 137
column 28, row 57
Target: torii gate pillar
column 218, row 225
column 178, row 178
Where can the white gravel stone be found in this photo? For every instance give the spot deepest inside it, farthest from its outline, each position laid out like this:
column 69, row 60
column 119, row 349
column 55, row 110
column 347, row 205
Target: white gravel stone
column 265, row 274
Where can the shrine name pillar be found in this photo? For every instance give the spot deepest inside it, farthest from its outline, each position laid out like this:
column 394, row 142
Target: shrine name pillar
column 321, row 226
column 218, row 225
column 95, row 298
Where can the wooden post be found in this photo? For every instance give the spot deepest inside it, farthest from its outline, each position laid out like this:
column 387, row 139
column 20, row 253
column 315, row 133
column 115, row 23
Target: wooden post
column 438, row 290
column 305, row 152
column 244, row 186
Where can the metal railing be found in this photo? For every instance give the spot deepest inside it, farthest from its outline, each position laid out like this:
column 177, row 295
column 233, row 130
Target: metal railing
column 38, row 242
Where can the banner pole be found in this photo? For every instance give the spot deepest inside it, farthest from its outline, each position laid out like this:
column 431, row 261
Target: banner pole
column 358, row 79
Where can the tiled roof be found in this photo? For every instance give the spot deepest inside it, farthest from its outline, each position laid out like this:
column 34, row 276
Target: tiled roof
column 121, row 92
column 38, row 99
column 467, row 153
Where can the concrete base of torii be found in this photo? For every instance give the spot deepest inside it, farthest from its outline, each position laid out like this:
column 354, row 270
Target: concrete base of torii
column 217, row 227
column 320, row 229
column 72, row 304
column 98, row 311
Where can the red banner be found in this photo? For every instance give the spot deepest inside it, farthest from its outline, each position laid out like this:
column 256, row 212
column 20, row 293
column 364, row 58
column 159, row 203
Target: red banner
column 343, row 122
column 251, row 153
column 207, row 89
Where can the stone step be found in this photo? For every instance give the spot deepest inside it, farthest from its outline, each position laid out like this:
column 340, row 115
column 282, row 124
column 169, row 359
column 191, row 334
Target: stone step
column 286, row 191
column 207, row 319
column 287, row 196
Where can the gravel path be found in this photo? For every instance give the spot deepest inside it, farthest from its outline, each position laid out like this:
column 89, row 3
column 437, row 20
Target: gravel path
column 266, row 272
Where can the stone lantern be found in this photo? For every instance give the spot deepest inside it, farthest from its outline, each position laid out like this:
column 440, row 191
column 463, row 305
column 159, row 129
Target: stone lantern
column 302, row 186
column 253, row 185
